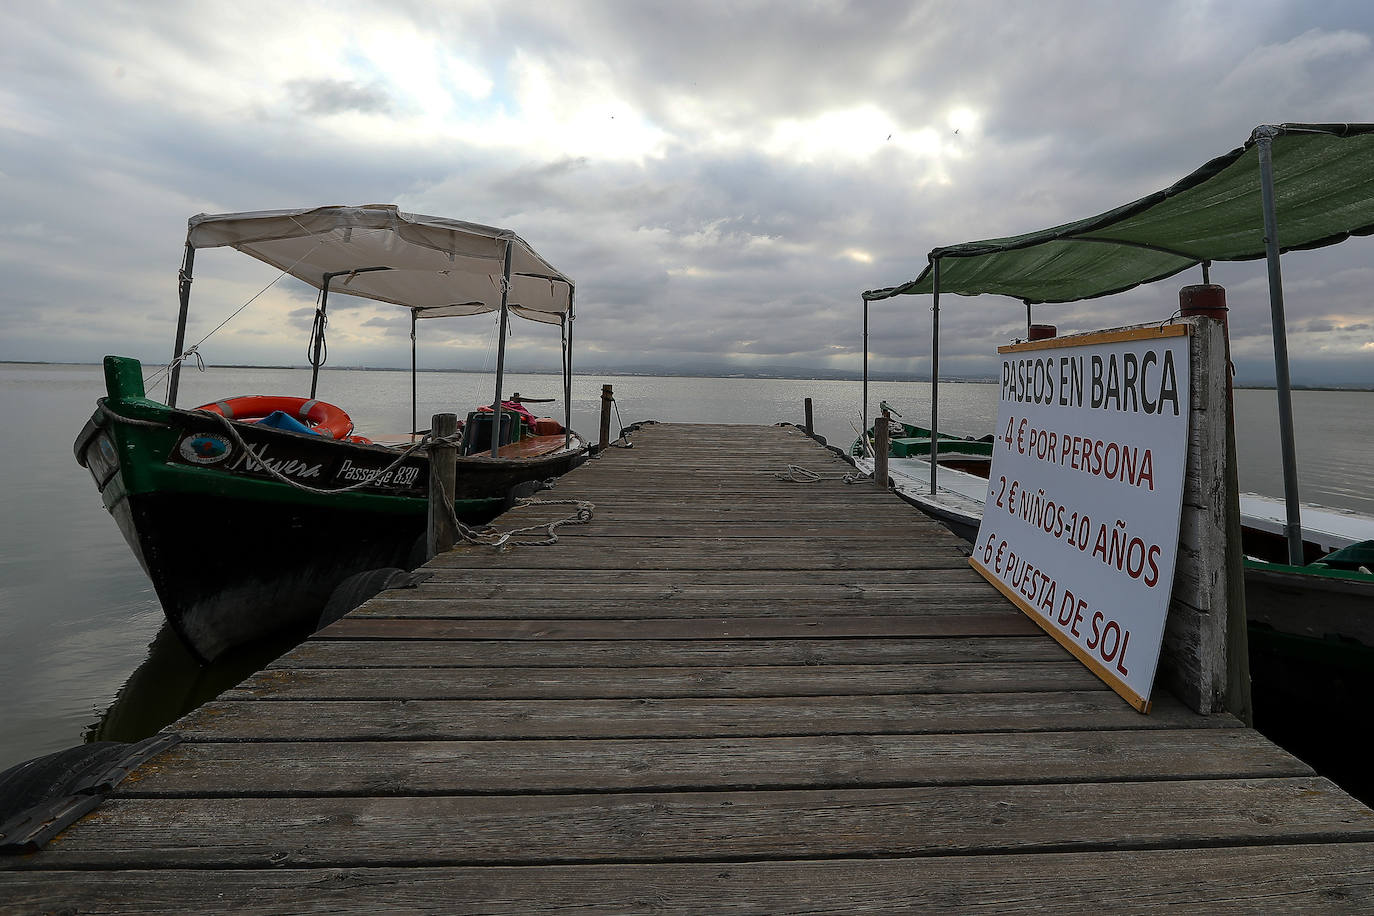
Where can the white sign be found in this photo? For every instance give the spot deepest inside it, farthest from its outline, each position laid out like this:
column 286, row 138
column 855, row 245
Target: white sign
column 1080, row 528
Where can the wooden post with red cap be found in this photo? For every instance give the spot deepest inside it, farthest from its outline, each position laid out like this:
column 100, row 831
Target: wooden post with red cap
column 1208, row 300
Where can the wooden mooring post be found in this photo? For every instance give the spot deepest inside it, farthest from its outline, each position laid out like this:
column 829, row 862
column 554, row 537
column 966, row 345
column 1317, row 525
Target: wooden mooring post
column 810, row 429
column 443, row 465
column 880, row 446
column 1204, row 659
column 607, row 399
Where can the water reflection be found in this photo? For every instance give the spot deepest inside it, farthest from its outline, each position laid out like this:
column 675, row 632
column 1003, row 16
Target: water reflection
column 171, row 682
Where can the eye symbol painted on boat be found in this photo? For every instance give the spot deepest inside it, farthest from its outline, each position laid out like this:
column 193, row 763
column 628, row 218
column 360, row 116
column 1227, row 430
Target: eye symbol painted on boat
column 205, row 448
column 107, row 451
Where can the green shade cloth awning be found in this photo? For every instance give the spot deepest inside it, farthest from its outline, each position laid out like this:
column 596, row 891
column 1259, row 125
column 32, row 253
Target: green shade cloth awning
column 1324, row 193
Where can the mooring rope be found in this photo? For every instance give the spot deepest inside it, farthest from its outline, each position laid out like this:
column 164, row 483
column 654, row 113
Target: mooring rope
column 583, row 516
column 500, row 540
column 488, row 538
column 623, row 440
column 194, row 349
column 797, row 474
column 425, row 441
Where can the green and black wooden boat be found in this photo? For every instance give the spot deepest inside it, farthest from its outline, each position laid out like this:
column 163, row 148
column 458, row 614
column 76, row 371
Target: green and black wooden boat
column 246, row 516
column 905, row 440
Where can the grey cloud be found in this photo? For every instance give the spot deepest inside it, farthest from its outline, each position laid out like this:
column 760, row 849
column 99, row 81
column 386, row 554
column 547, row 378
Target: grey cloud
column 708, row 250
column 330, row 96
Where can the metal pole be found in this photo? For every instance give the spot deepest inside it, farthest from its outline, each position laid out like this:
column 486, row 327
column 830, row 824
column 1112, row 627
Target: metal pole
column 1293, row 526
column 567, row 373
column 319, row 334
column 414, row 370
column 320, row 320
column 184, row 293
column 881, row 446
column 865, row 420
column 935, row 378
column 1206, row 273
column 500, row 358
column 1028, row 321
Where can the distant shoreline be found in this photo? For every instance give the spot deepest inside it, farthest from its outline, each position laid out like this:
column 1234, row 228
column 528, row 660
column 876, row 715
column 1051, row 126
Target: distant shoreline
column 791, row 375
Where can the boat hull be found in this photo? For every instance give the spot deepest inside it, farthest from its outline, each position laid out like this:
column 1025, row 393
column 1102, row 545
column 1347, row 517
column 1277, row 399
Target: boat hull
column 1311, row 603
column 234, row 552
column 1306, row 602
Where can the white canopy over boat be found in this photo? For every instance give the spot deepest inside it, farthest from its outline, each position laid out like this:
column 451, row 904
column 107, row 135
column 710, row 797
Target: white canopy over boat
column 436, row 267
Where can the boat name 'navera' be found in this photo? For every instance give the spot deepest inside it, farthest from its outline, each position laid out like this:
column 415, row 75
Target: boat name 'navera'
column 1129, row 382
column 256, row 457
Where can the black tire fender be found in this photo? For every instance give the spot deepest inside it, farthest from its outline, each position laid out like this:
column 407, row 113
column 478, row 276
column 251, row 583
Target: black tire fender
column 359, row 587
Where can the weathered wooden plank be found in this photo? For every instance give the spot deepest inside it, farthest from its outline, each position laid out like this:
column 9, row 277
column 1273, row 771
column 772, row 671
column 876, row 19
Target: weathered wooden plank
column 685, row 589
column 436, row 720
column 731, row 510
column 1243, row 879
column 1001, row 623
column 593, row 653
column 757, row 681
column 806, row 529
column 708, row 826
column 736, row 555
column 596, row 765
column 670, row 604
column 953, row 578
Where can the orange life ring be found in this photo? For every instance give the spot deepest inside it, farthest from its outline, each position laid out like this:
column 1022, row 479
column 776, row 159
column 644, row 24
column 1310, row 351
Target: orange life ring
column 324, row 418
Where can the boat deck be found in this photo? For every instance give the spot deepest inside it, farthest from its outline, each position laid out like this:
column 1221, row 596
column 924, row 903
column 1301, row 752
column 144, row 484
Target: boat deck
column 728, row 692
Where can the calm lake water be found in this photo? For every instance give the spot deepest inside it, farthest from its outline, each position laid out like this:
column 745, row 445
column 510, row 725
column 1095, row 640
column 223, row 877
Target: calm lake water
column 78, row 617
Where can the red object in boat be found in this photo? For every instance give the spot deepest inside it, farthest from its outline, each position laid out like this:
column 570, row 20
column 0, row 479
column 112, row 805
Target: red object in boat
column 324, row 418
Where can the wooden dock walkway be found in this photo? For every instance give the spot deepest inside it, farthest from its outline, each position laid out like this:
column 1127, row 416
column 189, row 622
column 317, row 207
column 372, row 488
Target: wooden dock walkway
column 727, row 693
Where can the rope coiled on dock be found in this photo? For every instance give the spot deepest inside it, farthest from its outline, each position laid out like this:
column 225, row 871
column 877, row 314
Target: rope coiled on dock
column 795, row 473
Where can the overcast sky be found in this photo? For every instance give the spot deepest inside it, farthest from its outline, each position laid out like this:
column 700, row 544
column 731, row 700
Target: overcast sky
column 721, row 179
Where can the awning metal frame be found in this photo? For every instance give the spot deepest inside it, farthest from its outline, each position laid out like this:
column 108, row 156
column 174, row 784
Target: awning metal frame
column 185, row 279
column 1262, row 139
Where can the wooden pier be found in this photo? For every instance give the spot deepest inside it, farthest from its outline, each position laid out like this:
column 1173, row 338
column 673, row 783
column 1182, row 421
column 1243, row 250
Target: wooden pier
column 728, row 692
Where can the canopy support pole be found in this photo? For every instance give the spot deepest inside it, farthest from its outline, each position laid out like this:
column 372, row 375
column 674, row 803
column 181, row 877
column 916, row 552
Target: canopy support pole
column 414, row 373
column 865, row 417
column 935, row 378
column 1293, row 526
column 1028, row 321
column 500, row 357
column 567, row 372
column 184, row 293
column 1206, row 273
column 318, row 334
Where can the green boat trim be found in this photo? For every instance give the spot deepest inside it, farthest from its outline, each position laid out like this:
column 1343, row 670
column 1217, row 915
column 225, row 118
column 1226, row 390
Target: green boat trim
column 248, row 520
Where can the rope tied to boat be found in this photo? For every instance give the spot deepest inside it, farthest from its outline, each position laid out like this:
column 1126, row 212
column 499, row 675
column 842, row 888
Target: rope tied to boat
column 504, row 540
column 194, row 349
column 583, row 516
column 623, row 440
column 795, row 473
column 487, row 537
column 426, row 441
